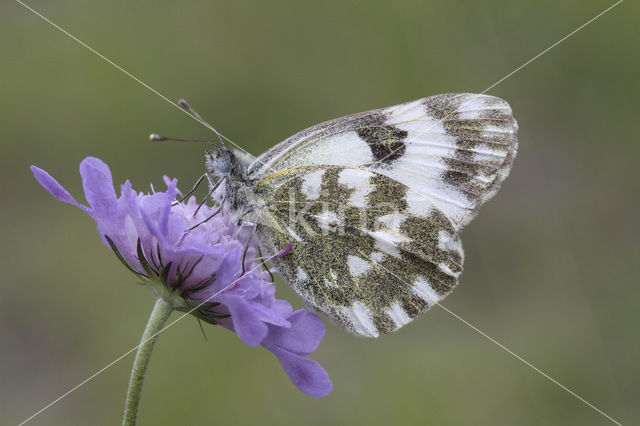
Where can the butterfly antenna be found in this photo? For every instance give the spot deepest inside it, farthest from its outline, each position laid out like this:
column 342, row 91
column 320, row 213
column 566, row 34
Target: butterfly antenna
column 159, row 138
column 185, row 105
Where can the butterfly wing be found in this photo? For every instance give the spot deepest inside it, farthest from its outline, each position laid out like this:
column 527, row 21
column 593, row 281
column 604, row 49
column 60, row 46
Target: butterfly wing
column 452, row 150
column 373, row 203
column 359, row 255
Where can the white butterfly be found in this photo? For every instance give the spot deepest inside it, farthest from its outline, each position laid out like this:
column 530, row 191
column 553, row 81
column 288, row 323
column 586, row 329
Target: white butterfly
column 373, row 203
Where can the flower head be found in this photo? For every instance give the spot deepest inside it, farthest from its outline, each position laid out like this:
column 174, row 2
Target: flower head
column 196, row 261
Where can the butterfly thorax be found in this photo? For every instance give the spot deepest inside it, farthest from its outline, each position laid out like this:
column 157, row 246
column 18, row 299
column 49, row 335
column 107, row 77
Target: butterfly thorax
column 227, row 170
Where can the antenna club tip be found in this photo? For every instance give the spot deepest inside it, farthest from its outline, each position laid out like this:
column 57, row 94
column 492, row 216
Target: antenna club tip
column 184, row 104
column 156, row 137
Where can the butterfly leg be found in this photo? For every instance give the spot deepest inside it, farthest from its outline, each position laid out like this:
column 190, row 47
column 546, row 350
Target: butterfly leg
column 264, row 265
column 247, row 244
column 214, row 214
column 209, row 194
column 192, row 190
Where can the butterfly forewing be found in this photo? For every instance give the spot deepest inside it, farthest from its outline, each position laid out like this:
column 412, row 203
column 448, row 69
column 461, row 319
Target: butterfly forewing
column 453, row 150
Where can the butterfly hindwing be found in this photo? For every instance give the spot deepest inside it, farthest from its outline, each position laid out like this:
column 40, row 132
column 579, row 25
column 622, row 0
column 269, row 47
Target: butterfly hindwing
column 359, row 255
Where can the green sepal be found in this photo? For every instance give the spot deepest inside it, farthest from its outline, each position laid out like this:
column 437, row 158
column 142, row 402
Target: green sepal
column 191, row 270
column 219, row 316
column 143, row 260
column 122, row 259
column 202, row 329
column 164, row 274
column 159, row 254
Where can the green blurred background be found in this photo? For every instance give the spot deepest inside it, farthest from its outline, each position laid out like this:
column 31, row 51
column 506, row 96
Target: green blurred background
column 552, row 262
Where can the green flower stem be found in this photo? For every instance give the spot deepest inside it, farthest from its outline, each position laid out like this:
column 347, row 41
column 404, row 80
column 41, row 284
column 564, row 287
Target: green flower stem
column 159, row 316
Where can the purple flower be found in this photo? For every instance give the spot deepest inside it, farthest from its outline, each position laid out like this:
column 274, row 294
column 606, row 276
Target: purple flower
column 195, row 262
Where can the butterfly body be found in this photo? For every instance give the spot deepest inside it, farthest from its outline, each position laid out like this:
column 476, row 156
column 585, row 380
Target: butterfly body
column 373, row 203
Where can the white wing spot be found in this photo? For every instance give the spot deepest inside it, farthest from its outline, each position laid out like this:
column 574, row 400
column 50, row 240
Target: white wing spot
column 450, row 243
column 341, row 149
column 359, row 315
column 397, row 314
column 422, row 288
column 471, row 107
column 491, row 130
column 407, row 112
column 377, row 256
column 328, row 221
column 301, row 275
column 357, row 266
column 311, row 184
column 418, row 204
column 293, row 234
column 420, row 129
column 387, row 241
column 358, row 179
column 392, row 221
column 445, row 242
column 444, row 268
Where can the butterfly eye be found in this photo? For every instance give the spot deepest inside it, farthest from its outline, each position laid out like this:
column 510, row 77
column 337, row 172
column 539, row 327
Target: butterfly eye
column 222, row 161
column 223, row 164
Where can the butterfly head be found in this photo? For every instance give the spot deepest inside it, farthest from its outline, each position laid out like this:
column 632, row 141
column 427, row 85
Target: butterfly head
column 220, row 161
column 227, row 167
column 227, row 162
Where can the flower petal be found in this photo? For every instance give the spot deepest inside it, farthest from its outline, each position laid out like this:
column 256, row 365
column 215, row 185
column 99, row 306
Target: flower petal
column 226, row 274
column 98, row 187
column 54, row 188
column 282, row 308
column 246, row 324
column 169, row 196
column 268, row 315
column 303, row 337
column 206, row 263
column 306, row 374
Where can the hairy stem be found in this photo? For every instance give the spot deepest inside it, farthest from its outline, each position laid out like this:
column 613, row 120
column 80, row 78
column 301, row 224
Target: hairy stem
column 159, row 316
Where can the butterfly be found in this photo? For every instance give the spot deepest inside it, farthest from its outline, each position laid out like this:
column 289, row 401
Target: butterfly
column 373, row 203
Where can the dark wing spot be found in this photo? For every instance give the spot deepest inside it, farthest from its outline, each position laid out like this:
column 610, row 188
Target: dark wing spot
column 462, row 170
column 386, row 142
